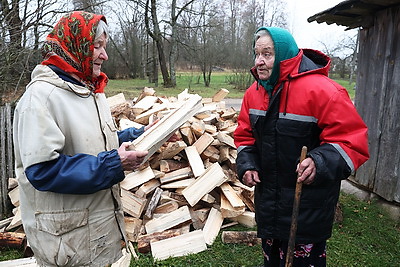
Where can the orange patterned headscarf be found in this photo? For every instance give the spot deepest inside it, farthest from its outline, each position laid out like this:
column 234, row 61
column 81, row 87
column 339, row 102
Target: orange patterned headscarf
column 70, row 45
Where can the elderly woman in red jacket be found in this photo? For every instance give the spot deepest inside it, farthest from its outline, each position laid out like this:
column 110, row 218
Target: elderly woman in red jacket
column 293, row 104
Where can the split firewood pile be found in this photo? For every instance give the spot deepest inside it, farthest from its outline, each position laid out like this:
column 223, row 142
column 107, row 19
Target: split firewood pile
column 187, row 189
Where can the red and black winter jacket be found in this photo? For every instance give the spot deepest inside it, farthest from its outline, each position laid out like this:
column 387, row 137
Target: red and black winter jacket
column 306, row 109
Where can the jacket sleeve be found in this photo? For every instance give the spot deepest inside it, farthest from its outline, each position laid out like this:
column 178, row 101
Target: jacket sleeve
column 247, row 158
column 344, row 138
column 78, row 174
column 129, row 134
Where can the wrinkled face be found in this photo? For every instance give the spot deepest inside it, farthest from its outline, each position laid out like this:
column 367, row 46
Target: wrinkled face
column 265, row 57
column 99, row 54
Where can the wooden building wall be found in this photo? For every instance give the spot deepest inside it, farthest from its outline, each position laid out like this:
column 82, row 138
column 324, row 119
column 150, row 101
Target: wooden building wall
column 378, row 101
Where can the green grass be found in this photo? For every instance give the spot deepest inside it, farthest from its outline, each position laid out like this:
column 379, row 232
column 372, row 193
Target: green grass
column 193, row 81
column 367, row 237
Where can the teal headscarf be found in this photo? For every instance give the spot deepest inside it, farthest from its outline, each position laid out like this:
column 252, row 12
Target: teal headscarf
column 285, row 48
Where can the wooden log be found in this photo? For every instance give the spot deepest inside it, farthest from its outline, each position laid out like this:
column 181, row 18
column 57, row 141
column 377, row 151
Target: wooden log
column 210, row 179
column 168, row 221
column 147, row 91
column 212, row 226
column 152, row 139
column 195, row 161
column 190, row 243
column 240, row 237
column 12, row 240
column 143, row 241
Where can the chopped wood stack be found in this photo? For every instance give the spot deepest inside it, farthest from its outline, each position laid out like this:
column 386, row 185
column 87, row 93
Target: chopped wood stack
column 177, row 201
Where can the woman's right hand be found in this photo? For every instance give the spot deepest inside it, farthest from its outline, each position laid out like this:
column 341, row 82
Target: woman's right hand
column 250, row 178
column 130, row 159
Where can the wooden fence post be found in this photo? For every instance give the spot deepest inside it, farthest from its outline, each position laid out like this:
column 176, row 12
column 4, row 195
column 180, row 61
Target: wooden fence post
column 6, row 158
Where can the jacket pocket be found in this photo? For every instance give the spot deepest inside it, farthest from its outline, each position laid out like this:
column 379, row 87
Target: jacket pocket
column 65, row 235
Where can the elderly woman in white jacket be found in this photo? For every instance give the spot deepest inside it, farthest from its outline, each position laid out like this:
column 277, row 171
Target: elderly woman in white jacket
column 69, row 160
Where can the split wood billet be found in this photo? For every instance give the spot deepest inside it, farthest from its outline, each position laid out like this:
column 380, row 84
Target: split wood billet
column 195, row 161
column 212, row 177
column 137, row 178
column 143, row 241
column 153, row 203
column 132, row 204
column 152, row 139
column 144, row 104
column 168, row 221
column 180, row 174
column 190, row 243
column 212, row 226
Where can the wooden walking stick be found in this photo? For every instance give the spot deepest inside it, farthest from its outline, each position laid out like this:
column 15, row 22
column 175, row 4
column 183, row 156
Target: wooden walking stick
column 295, row 213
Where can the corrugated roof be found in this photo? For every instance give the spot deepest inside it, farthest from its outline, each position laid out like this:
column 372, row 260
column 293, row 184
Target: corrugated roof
column 353, row 13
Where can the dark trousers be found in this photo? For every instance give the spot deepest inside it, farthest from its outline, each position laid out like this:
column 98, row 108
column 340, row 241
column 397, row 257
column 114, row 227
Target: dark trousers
column 305, row 255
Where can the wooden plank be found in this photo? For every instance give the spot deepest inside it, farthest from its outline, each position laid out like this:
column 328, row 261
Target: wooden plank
column 144, row 118
column 212, row 226
column 12, row 240
column 137, row 178
column 195, row 160
column 190, row 243
column 168, row 221
column 152, row 139
column 213, row 176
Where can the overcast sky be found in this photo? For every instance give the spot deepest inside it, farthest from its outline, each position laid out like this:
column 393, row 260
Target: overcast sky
column 309, row 35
